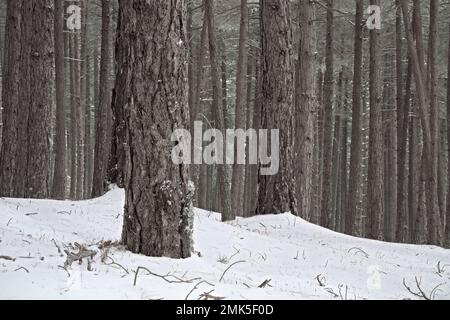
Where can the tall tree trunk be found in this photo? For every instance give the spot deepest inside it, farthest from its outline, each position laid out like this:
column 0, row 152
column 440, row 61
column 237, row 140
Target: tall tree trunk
column 222, row 170
column 11, row 96
column 306, row 107
column 375, row 197
column 447, row 220
column 59, row 175
column 73, row 117
column 430, row 174
column 116, row 161
column 355, row 149
column 101, row 142
column 277, row 192
column 434, row 216
column 158, row 203
column 237, row 185
column 198, row 173
column 325, row 217
column 402, row 125
column 80, row 66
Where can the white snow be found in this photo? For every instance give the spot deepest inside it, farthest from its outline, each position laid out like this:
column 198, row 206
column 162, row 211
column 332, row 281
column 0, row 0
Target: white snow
column 286, row 250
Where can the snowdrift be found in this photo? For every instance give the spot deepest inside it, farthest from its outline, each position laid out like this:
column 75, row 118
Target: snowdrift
column 268, row 258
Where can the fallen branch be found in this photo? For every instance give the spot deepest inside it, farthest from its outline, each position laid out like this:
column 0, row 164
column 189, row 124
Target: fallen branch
column 114, row 263
column 196, row 287
column 420, row 293
column 82, row 253
column 22, row 268
column 359, row 250
column 209, row 296
column 165, row 277
column 266, row 283
column 223, row 274
column 7, row 258
column 321, row 280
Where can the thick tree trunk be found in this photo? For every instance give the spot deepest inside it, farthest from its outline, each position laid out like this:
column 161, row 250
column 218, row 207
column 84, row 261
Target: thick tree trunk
column 101, row 141
column 237, row 185
column 325, row 217
column 158, row 207
column 306, row 108
column 355, row 152
column 277, row 192
column 375, row 197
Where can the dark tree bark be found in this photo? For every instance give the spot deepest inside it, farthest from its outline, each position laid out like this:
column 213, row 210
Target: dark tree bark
column 402, row 130
column 277, row 192
column 158, row 208
column 434, row 217
column 101, row 121
column 59, row 175
column 355, row 152
column 375, row 196
column 119, row 103
column 11, row 96
column 326, row 210
column 306, row 107
column 73, row 116
column 222, row 171
column 447, row 224
column 237, row 185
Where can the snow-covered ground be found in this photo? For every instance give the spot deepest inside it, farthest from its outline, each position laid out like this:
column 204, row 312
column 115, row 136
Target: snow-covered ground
column 297, row 260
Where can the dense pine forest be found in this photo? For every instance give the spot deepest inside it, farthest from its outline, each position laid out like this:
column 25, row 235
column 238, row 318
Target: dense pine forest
column 352, row 96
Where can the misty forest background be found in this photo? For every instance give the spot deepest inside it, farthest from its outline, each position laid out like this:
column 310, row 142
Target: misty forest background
column 363, row 113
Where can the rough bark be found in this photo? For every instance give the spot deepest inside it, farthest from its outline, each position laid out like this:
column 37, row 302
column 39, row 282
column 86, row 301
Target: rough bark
column 306, row 107
column 101, row 121
column 217, row 108
column 11, row 96
column 277, row 192
column 158, row 207
column 59, row 175
column 375, row 196
column 237, row 184
column 326, row 210
column 355, row 149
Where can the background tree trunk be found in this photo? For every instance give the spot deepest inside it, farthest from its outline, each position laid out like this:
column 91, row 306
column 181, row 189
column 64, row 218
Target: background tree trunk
column 101, row 141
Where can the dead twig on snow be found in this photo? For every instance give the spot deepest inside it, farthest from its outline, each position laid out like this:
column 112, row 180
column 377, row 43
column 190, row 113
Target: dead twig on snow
column 22, row 268
column 229, row 267
column 7, row 258
column 420, row 293
column 196, row 287
column 165, row 277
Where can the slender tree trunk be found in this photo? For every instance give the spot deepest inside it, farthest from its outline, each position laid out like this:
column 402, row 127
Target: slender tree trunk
column 237, row 190
column 326, row 218
column 355, row 152
column 59, row 175
column 80, row 49
column 277, row 192
column 73, row 118
column 375, row 176
column 222, row 170
column 306, row 107
column 101, row 142
column 447, row 220
column 434, row 216
column 158, row 203
column 116, row 161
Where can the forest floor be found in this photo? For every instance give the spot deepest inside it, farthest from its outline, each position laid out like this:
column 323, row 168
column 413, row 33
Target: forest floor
column 266, row 257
